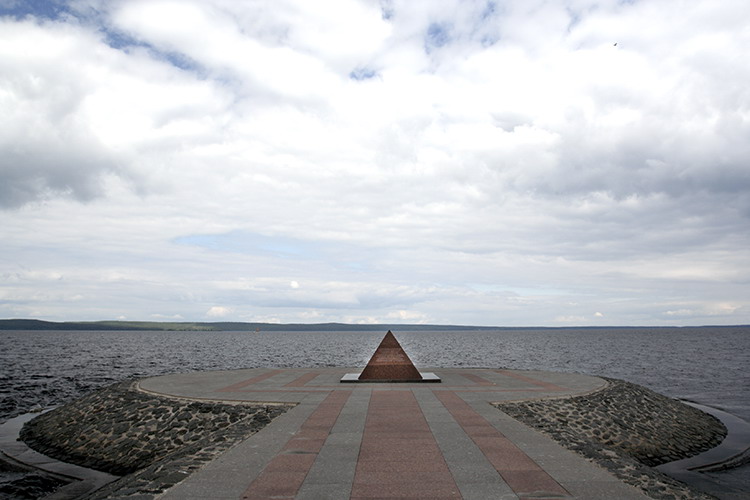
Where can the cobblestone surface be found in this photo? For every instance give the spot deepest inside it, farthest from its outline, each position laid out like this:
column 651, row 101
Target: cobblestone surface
column 153, row 441
column 626, row 429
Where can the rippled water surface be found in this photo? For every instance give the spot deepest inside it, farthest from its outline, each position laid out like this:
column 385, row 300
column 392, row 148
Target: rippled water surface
column 706, row 365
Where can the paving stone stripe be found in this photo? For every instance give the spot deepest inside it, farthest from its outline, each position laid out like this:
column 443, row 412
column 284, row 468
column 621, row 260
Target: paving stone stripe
column 302, row 380
column 285, row 473
column 399, row 457
column 332, row 474
column 251, row 381
column 544, row 385
column 477, row 379
column 475, row 476
column 525, row 477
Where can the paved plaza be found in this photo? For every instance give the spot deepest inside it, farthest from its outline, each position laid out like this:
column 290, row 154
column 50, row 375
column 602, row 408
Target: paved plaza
column 391, row 440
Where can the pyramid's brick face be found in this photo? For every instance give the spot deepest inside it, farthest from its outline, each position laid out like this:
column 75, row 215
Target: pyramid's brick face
column 390, row 362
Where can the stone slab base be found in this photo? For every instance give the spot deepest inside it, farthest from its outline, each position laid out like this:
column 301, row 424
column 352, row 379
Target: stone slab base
column 353, row 378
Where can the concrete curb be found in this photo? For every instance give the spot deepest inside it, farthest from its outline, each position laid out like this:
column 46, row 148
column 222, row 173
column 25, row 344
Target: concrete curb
column 81, row 480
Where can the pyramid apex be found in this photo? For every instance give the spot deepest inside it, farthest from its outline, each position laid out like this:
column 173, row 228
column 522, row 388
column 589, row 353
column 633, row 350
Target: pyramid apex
column 389, row 341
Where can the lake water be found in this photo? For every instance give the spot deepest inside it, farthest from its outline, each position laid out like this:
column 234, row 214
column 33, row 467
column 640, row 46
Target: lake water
column 706, row 365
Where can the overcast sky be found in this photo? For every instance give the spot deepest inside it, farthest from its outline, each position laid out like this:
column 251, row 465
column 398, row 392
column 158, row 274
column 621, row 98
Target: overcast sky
column 518, row 162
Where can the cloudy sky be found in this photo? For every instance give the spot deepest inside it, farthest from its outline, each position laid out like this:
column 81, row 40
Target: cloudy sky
column 507, row 162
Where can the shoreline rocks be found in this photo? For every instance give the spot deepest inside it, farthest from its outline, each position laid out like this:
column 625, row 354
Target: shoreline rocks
column 626, row 429
column 153, row 441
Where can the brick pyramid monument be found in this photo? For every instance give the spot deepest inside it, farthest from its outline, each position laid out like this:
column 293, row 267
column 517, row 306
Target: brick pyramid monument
column 390, row 363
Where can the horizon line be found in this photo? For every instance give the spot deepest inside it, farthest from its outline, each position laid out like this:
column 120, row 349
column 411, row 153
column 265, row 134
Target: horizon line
column 143, row 325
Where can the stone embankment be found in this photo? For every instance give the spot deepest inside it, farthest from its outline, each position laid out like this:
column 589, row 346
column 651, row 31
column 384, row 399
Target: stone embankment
column 156, row 442
column 153, row 441
column 626, row 429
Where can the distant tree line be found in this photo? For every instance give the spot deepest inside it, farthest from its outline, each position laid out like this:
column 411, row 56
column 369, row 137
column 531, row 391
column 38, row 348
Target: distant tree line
column 35, row 324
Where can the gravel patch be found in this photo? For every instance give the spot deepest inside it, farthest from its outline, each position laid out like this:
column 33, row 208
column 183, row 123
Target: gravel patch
column 627, row 429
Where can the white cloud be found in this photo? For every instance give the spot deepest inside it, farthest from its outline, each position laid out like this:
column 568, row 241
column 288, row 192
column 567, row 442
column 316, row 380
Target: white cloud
column 506, row 166
column 218, row 312
column 410, row 316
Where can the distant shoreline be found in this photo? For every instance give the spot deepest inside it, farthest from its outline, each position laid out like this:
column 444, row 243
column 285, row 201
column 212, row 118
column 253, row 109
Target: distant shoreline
column 35, row 324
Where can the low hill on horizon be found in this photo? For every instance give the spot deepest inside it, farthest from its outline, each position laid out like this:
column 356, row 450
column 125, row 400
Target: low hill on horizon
column 36, row 324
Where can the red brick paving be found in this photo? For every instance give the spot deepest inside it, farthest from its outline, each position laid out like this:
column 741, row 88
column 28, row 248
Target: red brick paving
column 285, row 473
column 250, row 381
column 477, row 379
column 303, row 380
column 540, row 383
column 399, row 457
column 524, row 476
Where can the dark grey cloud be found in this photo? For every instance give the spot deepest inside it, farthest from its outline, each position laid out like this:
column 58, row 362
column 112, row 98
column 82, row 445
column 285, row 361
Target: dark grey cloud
column 39, row 171
column 46, row 147
column 71, row 104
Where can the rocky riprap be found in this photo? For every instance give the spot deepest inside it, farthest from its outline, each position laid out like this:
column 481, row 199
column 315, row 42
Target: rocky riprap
column 153, row 441
column 626, row 429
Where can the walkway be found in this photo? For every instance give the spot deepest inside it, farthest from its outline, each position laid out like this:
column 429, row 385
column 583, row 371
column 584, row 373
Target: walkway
column 366, row 441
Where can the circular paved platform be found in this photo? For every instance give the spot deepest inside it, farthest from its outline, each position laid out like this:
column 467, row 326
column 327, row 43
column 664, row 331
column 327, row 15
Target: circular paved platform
column 404, row 440
column 295, row 385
